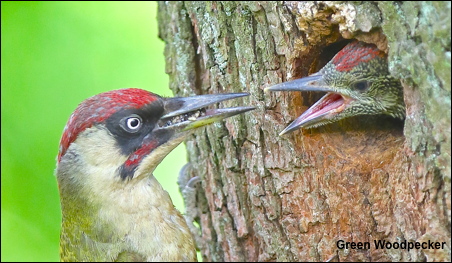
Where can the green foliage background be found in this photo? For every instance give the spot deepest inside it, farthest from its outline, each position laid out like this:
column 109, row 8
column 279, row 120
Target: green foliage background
column 53, row 56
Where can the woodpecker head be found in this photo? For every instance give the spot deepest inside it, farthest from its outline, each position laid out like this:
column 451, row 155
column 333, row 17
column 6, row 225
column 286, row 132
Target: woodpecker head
column 357, row 82
column 112, row 206
column 118, row 138
column 132, row 130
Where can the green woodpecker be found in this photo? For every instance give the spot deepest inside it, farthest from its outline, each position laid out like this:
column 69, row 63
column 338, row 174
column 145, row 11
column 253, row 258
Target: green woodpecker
column 113, row 208
column 357, row 82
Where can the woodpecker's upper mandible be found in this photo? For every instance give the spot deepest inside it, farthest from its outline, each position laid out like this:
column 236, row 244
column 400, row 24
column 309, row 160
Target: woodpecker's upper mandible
column 358, row 82
column 113, row 209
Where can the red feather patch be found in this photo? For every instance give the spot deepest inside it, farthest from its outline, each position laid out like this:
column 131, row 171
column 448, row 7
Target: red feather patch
column 355, row 53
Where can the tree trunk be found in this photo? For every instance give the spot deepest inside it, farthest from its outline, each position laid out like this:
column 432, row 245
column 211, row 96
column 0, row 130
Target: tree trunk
column 265, row 197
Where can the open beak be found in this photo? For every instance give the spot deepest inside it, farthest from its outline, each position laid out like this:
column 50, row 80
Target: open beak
column 187, row 113
column 323, row 110
column 181, row 115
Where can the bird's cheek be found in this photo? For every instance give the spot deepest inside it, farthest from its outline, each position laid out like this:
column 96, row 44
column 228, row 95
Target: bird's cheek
column 150, row 161
column 96, row 147
column 134, row 160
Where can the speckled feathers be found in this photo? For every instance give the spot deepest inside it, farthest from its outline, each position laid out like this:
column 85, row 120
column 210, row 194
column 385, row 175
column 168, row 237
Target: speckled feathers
column 355, row 53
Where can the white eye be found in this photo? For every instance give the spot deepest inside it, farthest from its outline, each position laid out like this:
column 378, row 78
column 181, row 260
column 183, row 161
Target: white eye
column 131, row 123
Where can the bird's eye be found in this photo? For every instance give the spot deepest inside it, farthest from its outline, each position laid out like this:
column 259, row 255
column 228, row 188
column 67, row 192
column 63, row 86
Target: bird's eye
column 361, row 85
column 131, row 123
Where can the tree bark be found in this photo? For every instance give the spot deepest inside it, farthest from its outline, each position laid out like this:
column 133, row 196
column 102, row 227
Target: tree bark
column 263, row 197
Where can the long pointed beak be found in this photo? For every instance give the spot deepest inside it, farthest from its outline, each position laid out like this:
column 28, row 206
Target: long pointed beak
column 186, row 113
column 310, row 83
column 322, row 111
column 180, row 117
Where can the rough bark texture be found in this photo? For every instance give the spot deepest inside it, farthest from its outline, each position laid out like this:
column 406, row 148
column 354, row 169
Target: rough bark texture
column 291, row 198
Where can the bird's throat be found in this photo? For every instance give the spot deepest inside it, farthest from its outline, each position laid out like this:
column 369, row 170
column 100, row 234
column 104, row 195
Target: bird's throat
column 329, row 105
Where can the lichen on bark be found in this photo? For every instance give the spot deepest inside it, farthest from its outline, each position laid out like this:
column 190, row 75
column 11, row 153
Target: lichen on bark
column 268, row 198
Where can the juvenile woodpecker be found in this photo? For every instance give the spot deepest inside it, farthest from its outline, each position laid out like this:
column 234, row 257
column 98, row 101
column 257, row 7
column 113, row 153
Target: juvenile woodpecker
column 357, row 82
column 113, row 208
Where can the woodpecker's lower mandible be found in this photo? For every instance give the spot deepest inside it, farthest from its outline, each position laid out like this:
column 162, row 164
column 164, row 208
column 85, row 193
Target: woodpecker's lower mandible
column 357, row 82
column 113, row 208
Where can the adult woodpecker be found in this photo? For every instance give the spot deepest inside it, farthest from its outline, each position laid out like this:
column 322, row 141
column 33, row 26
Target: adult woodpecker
column 113, row 209
column 358, row 82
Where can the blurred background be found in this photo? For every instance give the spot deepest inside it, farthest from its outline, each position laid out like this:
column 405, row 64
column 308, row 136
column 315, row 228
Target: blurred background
column 53, row 56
